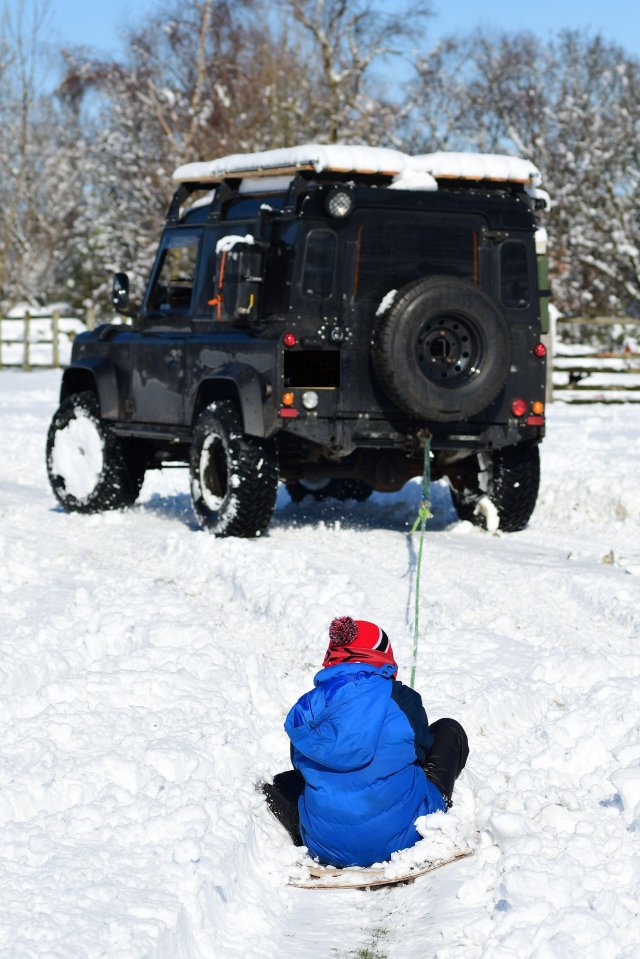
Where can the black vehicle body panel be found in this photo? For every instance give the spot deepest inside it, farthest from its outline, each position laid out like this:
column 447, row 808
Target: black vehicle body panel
column 153, row 379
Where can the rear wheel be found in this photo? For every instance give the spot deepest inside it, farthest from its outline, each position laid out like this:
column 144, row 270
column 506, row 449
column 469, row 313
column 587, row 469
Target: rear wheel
column 234, row 477
column 89, row 467
column 505, row 483
column 340, row 489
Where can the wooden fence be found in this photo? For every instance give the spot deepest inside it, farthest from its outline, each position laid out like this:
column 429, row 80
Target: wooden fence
column 39, row 339
column 587, row 374
column 577, row 373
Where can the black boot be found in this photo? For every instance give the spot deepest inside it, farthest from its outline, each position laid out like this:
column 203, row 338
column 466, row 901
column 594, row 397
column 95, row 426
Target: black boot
column 447, row 757
column 282, row 799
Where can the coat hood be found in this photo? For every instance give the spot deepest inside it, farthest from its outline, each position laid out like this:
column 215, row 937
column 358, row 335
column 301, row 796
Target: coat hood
column 338, row 723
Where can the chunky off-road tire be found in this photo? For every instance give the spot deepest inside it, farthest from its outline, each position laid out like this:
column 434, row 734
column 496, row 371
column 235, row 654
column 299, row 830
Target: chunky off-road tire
column 443, row 349
column 88, row 466
column 340, row 489
column 234, row 477
column 510, row 478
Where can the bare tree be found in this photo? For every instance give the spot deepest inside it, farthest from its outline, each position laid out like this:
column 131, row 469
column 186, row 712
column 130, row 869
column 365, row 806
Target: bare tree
column 347, row 38
column 201, row 78
column 24, row 128
column 86, row 175
column 572, row 105
column 177, row 94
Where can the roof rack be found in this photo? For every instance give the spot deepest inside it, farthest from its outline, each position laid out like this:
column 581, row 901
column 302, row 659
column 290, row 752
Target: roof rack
column 426, row 171
column 311, row 157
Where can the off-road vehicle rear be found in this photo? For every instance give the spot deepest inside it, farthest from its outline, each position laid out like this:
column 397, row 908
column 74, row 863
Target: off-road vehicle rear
column 312, row 314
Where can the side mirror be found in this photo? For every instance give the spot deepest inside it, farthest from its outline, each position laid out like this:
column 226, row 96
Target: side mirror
column 120, row 292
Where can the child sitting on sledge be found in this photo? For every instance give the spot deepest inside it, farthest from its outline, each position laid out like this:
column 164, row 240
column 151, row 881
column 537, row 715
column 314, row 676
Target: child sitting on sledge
column 366, row 762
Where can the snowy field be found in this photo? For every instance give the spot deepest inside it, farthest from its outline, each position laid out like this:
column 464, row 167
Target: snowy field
column 147, row 668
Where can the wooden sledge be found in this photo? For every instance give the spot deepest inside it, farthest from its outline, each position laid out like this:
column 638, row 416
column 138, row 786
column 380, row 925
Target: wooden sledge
column 357, row 877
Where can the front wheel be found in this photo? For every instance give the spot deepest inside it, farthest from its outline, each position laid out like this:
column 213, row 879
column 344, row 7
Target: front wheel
column 505, row 481
column 88, row 466
column 234, row 477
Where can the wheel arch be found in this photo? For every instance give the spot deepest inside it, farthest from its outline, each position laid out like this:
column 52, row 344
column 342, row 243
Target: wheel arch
column 97, row 377
column 242, row 385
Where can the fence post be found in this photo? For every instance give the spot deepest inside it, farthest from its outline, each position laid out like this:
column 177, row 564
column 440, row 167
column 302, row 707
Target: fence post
column 90, row 319
column 26, row 361
column 0, row 341
column 55, row 331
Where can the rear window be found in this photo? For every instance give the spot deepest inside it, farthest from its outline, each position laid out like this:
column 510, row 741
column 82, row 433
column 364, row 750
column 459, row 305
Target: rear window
column 395, row 251
column 319, row 264
column 515, row 290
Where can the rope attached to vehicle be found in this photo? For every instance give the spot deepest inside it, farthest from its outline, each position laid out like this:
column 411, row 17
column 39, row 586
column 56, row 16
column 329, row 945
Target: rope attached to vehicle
column 424, row 513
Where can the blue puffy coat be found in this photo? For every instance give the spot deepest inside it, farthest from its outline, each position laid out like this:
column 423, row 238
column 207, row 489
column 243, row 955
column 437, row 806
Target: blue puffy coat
column 357, row 739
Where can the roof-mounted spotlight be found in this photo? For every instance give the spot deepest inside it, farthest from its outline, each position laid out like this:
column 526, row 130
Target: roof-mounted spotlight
column 339, row 201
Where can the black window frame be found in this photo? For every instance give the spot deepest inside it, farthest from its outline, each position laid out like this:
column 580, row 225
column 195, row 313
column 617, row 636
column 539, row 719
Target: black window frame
column 171, row 239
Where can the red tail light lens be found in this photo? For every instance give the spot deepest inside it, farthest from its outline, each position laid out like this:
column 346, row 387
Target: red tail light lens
column 289, row 339
column 518, row 407
column 540, row 351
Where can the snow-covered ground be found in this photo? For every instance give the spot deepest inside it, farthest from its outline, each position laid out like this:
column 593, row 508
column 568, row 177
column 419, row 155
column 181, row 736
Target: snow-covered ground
column 147, row 668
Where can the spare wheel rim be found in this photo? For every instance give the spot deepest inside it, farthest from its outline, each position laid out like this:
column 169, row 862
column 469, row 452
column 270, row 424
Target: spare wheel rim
column 449, row 350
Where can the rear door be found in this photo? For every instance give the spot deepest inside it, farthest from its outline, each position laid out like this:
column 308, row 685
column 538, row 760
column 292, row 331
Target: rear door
column 388, row 252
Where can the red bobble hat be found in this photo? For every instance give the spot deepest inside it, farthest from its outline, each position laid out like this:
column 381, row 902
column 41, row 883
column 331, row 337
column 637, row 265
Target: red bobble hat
column 357, row 641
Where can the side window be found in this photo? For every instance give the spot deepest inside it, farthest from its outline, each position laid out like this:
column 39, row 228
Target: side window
column 173, row 287
column 280, row 262
column 319, row 264
column 514, row 275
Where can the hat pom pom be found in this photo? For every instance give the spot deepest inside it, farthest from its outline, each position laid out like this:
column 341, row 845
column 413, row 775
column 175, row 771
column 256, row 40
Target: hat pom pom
column 343, row 631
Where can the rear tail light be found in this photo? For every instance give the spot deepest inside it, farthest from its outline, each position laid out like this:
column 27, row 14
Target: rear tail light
column 518, row 407
column 287, row 409
column 540, row 351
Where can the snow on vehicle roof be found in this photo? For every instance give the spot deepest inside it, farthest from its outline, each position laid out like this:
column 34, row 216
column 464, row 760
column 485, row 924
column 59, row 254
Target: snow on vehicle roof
column 478, row 166
column 317, row 157
column 408, row 172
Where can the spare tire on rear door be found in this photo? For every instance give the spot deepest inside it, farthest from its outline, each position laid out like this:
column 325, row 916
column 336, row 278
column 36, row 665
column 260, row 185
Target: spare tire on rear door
column 443, row 350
